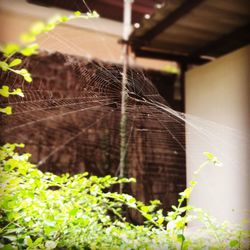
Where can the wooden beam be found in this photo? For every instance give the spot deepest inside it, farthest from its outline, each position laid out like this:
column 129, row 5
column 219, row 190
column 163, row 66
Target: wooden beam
column 111, row 9
column 183, row 59
column 229, row 42
column 170, row 19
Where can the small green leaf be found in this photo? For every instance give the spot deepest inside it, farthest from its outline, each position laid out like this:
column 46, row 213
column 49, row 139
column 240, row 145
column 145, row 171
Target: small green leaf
column 10, row 48
column 63, row 19
column 192, row 183
column 28, row 241
column 31, row 49
column 160, row 220
column 148, row 216
column 180, row 237
column 7, row 110
column 209, row 155
column 77, row 13
column 18, row 92
column 15, row 62
column 73, row 212
column 7, row 247
column 234, row 243
column 4, row 66
column 27, row 38
column 4, row 91
column 38, row 241
column 37, row 28
column 145, row 209
column 49, row 27
column 26, row 75
column 213, row 159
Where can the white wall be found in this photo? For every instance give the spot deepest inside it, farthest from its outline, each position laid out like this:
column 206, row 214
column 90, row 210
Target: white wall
column 219, row 94
column 94, row 38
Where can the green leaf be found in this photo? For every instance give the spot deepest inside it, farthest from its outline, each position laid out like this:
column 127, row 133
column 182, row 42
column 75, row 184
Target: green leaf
column 31, row 49
column 28, row 241
column 73, row 212
column 26, row 75
column 213, row 159
column 209, row 155
column 18, row 92
column 4, row 91
column 192, row 183
column 49, row 27
column 77, row 13
column 7, row 110
column 10, row 48
column 15, row 62
column 234, row 243
column 180, row 237
column 4, row 66
column 7, row 247
column 145, row 209
column 38, row 241
column 37, row 28
column 27, row 38
column 160, row 220
column 148, row 216
column 63, row 19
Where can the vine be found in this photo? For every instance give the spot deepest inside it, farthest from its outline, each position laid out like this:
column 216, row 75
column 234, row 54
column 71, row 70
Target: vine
column 28, row 47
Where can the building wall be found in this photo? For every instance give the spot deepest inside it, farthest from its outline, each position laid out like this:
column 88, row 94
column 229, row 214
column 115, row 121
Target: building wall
column 219, row 94
column 95, row 38
column 69, row 120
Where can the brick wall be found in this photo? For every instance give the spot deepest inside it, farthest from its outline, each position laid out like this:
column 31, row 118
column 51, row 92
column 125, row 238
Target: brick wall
column 70, row 117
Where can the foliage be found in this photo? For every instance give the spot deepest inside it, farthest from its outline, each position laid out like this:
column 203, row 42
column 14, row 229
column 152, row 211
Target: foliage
column 45, row 211
column 11, row 52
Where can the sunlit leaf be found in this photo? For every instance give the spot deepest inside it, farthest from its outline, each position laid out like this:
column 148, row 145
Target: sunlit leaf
column 37, row 28
column 7, row 110
column 28, row 241
column 234, row 243
column 63, row 19
column 15, row 62
column 32, row 49
column 18, row 92
column 27, row 38
column 77, row 13
column 4, row 66
column 26, row 75
column 10, row 49
column 4, row 91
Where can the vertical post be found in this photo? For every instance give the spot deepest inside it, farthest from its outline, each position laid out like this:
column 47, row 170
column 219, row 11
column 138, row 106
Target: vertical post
column 124, row 95
column 183, row 69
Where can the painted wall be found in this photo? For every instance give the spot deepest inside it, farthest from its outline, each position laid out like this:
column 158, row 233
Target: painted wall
column 95, row 38
column 218, row 104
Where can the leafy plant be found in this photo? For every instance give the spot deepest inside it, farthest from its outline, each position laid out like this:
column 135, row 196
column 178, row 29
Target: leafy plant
column 45, row 211
column 11, row 52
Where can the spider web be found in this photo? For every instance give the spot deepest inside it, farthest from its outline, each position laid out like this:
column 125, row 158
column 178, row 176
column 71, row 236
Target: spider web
column 70, row 116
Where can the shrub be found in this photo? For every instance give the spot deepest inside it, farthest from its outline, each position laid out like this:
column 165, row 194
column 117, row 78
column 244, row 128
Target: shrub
column 45, row 211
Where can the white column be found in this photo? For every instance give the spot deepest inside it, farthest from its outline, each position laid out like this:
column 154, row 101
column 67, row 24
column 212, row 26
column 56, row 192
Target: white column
column 220, row 92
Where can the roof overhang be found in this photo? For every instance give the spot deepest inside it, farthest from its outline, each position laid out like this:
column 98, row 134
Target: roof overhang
column 193, row 31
